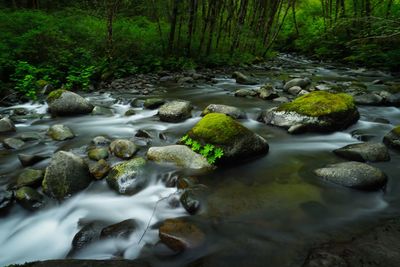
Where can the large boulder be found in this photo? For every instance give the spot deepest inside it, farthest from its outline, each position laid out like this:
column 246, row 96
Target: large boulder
column 179, row 155
column 125, row 178
column 243, row 79
column 353, row 174
column 372, row 152
column 66, row 175
column 233, row 112
column 64, row 103
column 301, row 82
column 175, row 111
column 6, row 125
column 237, row 142
column 59, row 132
column 392, row 139
column 316, row 111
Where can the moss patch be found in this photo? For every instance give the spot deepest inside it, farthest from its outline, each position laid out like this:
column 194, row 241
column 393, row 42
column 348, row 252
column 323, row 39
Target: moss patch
column 320, row 103
column 56, row 94
column 396, row 130
column 216, row 128
column 128, row 166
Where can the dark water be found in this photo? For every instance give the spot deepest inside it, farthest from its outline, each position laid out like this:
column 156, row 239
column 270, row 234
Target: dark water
column 260, row 213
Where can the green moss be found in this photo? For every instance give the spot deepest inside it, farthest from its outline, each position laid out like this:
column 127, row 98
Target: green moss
column 216, row 128
column 56, row 94
column 41, row 83
column 320, row 103
column 128, row 166
column 396, row 130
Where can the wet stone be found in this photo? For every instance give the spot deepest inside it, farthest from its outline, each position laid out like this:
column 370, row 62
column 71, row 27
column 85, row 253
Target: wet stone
column 121, row 230
column 29, row 198
column 30, row 177
column 13, row 143
column 99, row 169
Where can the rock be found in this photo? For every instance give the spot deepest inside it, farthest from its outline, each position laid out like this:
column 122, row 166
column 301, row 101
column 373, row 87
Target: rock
column 295, row 90
column 20, row 112
column 6, row 125
column 153, row 103
column 378, row 82
column 175, row 111
column 353, row 174
column 185, row 80
column 245, row 93
column 125, row 178
column 167, row 79
column 243, row 79
column 237, row 142
column 180, row 155
column 130, row 112
column 67, row 174
column 99, row 169
column 29, row 160
column 303, row 83
column 190, row 201
column 392, row 139
column 282, row 99
column 97, row 110
column 233, row 112
column 100, row 141
column 180, row 235
column 303, row 92
column 143, row 134
column 88, row 263
column 32, row 136
column 372, row 152
column 30, row 177
column 121, row 230
column 323, row 87
column 87, row 235
column 98, row 153
column 59, row 132
column 65, row 103
column 123, row 149
column 13, row 143
column 317, row 111
column 267, row 92
column 361, row 135
column 392, row 100
column 325, row 259
column 29, row 198
column 368, row 99
column 6, row 201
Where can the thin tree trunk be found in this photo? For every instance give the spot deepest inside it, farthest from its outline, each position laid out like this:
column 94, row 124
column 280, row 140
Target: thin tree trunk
column 173, row 26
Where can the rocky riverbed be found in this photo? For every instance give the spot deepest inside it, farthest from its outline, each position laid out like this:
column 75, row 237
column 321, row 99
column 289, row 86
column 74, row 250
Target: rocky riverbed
column 285, row 163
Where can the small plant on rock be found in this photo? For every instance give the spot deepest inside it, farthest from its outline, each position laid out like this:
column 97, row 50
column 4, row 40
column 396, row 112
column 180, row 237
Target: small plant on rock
column 209, row 151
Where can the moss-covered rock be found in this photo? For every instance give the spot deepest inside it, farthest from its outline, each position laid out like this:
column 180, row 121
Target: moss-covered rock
column 316, row 111
column 98, row 153
column 153, row 103
column 29, row 198
column 59, row 132
column 30, row 177
column 65, row 103
column 123, row 148
column 125, row 178
column 13, row 143
column 6, row 125
column 392, row 139
column 99, row 169
column 237, row 142
column 67, row 174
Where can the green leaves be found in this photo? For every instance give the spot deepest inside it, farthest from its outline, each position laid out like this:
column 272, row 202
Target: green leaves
column 209, row 151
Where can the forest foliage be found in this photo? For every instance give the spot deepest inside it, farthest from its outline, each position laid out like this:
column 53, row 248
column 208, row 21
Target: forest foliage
column 74, row 43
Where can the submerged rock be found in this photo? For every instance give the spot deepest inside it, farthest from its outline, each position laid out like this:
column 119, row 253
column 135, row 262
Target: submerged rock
column 65, row 103
column 98, row 110
column 125, row 178
column 121, row 230
column 243, row 79
column 175, row 111
column 372, row 152
column 123, row 149
column 316, row 111
column 153, row 103
column 179, row 155
column 237, row 142
column 28, row 160
column 13, row 143
column 392, row 139
column 233, row 112
column 6, row 125
column 353, row 174
column 59, row 132
column 245, row 93
column 86, row 236
column 180, row 235
column 368, row 99
column 6, row 201
column 30, row 177
column 67, row 174
column 29, row 198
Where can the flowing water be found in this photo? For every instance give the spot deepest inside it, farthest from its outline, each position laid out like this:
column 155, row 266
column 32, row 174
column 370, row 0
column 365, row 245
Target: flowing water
column 259, row 213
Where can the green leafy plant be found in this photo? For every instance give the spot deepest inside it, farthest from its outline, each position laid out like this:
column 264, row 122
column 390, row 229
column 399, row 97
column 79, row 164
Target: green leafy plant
column 209, row 151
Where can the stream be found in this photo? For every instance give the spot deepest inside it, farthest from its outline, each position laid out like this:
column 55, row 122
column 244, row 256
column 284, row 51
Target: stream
column 265, row 212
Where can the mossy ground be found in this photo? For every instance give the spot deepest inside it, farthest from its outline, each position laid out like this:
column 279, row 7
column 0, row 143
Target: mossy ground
column 320, row 103
column 216, row 128
column 56, row 94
